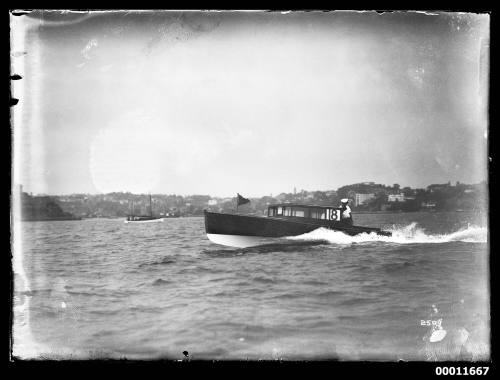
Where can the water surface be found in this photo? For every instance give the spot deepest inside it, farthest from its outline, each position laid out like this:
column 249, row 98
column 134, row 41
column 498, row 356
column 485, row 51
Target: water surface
column 100, row 288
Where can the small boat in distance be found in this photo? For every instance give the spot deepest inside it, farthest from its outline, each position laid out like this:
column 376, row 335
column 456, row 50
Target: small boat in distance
column 131, row 218
column 282, row 220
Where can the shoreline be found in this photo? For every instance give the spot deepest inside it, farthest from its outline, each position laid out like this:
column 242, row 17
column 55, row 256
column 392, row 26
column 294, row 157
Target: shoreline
column 201, row 216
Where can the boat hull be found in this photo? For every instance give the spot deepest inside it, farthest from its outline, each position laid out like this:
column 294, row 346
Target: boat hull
column 234, row 228
column 145, row 221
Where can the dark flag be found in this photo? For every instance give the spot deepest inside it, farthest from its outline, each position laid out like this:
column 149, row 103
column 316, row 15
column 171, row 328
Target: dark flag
column 242, row 201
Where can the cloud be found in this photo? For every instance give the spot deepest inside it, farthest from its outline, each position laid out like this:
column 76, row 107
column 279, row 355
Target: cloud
column 106, row 68
column 138, row 151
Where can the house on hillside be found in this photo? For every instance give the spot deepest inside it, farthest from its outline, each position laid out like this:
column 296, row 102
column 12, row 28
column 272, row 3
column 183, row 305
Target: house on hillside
column 360, row 199
column 396, row 197
column 438, row 187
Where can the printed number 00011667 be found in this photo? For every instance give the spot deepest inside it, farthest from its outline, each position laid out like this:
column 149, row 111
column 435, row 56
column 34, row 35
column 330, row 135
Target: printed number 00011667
column 462, row 371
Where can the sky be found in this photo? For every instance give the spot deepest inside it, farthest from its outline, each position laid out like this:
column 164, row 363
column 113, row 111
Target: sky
column 252, row 102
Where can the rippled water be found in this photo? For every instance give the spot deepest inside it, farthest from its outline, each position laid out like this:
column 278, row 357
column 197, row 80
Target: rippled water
column 106, row 289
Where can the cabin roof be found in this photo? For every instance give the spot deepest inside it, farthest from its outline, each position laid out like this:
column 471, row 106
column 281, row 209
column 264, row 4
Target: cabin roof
column 299, row 205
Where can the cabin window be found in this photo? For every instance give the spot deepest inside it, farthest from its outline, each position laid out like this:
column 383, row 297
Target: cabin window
column 287, row 211
column 318, row 214
column 280, row 211
column 299, row 212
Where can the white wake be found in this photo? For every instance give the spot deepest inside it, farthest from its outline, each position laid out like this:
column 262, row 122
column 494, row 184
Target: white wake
column 409, row 234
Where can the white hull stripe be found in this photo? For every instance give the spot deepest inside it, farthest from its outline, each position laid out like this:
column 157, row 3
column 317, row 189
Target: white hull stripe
column 239, row 241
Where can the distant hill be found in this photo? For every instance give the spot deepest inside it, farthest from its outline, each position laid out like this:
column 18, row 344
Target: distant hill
column 42, row 208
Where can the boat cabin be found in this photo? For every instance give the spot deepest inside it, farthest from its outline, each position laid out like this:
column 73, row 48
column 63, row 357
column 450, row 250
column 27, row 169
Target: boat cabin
column 289, row 210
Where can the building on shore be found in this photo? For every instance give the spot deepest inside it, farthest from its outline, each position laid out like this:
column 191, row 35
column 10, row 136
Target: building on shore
column 360, row 199
column 438, row 187
column 396, row 197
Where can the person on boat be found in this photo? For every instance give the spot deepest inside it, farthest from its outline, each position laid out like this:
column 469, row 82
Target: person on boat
column 345, row 212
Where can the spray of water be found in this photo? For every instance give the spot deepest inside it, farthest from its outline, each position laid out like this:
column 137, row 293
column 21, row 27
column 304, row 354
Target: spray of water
column 409, row 234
